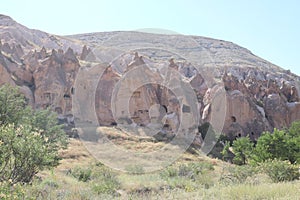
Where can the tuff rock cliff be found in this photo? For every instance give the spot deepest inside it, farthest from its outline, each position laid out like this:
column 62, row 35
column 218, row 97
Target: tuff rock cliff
column 149, row 80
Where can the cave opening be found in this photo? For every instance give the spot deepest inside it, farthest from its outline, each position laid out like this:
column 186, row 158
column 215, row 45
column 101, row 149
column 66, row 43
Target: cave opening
column 233, row 119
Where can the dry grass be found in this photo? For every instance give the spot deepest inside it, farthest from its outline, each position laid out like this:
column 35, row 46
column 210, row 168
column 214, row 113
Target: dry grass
column 152, row 185
column 126, row 140
column 75, row 155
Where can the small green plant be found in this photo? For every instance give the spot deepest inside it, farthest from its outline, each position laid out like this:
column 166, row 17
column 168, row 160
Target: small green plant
column 101, row 179
column 50, row 183
column 237, row 174
column 169, row 172
column 105, row 187
column 280, row 171
column 242, row 149
column 189, row 171
column 82, row 174
column 9, row 191
column 104, row 181
column 226, row 151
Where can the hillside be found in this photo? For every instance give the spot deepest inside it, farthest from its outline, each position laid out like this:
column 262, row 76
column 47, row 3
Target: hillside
column 141, row 79
column 144, row 114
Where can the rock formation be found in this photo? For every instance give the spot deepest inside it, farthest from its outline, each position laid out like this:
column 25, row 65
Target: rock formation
column 148, row 80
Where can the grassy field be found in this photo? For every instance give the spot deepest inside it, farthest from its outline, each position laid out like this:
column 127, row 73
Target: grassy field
column 192, row 176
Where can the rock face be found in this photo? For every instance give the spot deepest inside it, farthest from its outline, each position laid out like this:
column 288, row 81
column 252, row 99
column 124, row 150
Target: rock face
column 104, row 95
column 5, row 76
column 54, row 80
column 168, row 82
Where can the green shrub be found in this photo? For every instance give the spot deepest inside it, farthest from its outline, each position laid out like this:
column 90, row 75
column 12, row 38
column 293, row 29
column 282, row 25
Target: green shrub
column 281, row 145
column 9, row 191
column 217, row 150
column 280, row 171
column 169, row 172
column 23, row 153
column 237, row 174
column 271, row 146
column 105, row 187
column 50, row 183
column 29, row 140
column 227, row 155
column 189, row 171
column 104, row 181
column 189, row 176
column 242, row 149
column 12, row 105
column 82, row 174
column 293, row 142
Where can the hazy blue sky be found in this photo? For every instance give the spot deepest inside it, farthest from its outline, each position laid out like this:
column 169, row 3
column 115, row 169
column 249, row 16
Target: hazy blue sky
column 269, row 28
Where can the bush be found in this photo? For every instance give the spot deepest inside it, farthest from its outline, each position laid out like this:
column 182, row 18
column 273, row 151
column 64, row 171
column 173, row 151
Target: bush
column 29, row 140
column 280, row 171
column 293, row 142
column 81, row 174
column 104, row 181
column 101, row 179
column 12, row 105
column 238, row 174
column 22, row 154
column 242, row 149
column 106, row 186
column 189, row 177
column 271, row 146
column 281, row 144
column 169, row 172
column 220, row 150
column 8, row 191
column 189, row 171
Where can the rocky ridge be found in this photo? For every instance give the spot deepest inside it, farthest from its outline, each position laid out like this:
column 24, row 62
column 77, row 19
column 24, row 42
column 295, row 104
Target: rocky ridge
column 185, row 75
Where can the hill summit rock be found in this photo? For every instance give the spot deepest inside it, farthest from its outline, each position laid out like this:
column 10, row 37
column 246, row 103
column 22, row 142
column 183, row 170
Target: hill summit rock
column 170, row 82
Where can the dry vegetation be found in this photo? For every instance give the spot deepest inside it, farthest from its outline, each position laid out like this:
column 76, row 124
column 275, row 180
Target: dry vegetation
column 192, row 176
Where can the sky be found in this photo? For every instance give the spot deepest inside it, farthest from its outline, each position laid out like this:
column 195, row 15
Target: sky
column 268, row 28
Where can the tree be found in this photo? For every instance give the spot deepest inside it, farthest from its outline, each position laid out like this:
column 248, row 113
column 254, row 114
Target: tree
column 281, row 144
column 272, row 146
column 12, row 105
column 29, row 139
column 226, row 151
column 242, row 149
column 293, row 142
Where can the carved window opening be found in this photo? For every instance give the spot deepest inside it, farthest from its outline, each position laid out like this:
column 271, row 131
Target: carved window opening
column 233, row 118
column 166, row 125
column 47, row 96
column 72, row 90
column 67, row 96
column 113, row 124
column 58, row 110
column 137, row 94
column 186, row 108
